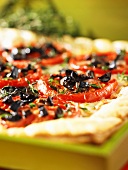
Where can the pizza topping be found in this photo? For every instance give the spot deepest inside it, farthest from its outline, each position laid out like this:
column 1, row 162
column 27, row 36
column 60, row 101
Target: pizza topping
column 49, row 101
column 15, row 105
column 13, row 116
column 58, row 113
column 26, row 113
column 8, row 90
column 14, row 73
column 42, row 111
column 105, row 78
column 75, row 82
column 100, row 63
column 8, row 99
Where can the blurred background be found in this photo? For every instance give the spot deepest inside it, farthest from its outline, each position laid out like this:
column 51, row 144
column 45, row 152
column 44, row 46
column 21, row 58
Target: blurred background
column 92, row 18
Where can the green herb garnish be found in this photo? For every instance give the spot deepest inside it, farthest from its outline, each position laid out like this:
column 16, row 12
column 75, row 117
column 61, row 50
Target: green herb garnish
column 95, row 86
column 84, row 108
column 122, row 77
column 32, row 105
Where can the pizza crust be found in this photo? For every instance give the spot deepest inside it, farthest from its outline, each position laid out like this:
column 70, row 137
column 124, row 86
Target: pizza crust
column 116, row 108
column 78, row 130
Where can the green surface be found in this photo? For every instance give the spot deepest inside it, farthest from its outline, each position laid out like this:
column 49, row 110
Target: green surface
column 103, row 19
column 32, row 151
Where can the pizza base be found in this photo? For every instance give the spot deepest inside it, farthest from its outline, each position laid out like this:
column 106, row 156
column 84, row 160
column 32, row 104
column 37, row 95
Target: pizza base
column 96, row 128
column 77, row 130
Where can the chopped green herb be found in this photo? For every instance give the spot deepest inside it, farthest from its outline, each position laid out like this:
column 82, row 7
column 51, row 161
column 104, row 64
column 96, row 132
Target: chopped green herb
column 4, row 115
column 61, row 91
column 122, row 77
column 84, row 108
column 32, row 105
column 95, row 86
column 104, row 67
column 50, row 80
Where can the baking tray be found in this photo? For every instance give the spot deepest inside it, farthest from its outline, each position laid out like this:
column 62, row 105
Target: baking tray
column 39, row 154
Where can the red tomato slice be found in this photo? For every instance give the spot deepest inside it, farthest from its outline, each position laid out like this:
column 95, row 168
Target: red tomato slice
column 58, row 59
column 91, row 96
column 21, row 123
column 22, row 81
column 80, row 63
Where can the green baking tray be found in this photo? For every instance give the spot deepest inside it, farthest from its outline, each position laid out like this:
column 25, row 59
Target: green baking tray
column 23, row 153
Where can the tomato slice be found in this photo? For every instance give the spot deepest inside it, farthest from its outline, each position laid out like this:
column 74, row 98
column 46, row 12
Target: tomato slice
column 58, row 59
column 91, row 96
column 82, row 63
column 20, row 123
column 31, row 77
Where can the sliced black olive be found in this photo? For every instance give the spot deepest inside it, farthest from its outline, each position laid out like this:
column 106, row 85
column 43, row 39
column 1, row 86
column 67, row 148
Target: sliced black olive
column 27, row 98
column 82, row 77
column 59, row 113
column 112, row 65
column 8, row 99
column 18, row 54
column 15, row 105
column 26, row 113
column 120, row 55
column 12, row 117
column 49, row 101
column 14, row 73
column 95, row 62
column 69, row 83
column 29, row 67
column 72, row 73
column 42, row 111
column 9, row 90
column 83, row 86
column 90, row 74
column 105, row 78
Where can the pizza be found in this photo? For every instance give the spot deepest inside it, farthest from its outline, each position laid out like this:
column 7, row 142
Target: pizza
column 72, row 90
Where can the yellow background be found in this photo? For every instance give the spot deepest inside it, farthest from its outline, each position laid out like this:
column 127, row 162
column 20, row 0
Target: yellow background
column 103, row 18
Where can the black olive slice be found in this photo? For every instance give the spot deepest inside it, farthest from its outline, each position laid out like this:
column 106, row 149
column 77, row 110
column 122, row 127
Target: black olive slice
column 27, row 98
column 42, row 111
column 49, row 101
column 112, row 65
column 58, row 113
column 18, row 54
column 8, row 99
column 83, row 86
column 105, row 78
column 69, row 83
column 15, row 105
column 26, row 113
column 12, row 117
column 14, row 73
column 9, row 90
column 90, row 74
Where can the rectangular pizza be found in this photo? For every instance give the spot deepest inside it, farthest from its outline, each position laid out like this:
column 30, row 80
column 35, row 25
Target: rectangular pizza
column 74, row 90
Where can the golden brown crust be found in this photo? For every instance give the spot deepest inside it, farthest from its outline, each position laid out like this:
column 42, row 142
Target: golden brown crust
column 79, row 130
